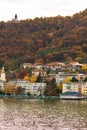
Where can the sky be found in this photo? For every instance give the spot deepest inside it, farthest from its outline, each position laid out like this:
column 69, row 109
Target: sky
column 29, row 9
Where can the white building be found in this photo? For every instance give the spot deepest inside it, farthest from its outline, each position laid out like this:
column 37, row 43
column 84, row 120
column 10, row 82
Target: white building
column 75, row 87
column 2, row 78
column 2, row 75
column 33, row 88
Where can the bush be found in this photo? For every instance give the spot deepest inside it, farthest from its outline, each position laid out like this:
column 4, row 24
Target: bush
column 28, row 93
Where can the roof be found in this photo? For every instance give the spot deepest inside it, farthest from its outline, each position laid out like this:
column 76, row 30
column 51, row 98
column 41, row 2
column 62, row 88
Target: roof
column 38, row 70
column 55, row 64
column 75, row 63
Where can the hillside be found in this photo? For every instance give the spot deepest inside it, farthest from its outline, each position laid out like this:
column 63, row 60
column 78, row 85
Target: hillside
column 44, row 40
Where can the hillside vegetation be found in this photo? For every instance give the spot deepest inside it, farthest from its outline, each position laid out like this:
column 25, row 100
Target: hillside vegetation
column 44, row 40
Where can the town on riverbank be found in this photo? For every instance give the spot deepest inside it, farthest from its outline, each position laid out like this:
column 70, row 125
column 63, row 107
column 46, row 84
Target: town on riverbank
column 45, row 81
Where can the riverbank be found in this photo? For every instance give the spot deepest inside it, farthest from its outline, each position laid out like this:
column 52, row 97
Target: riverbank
column 35, row 97
column 27, row 97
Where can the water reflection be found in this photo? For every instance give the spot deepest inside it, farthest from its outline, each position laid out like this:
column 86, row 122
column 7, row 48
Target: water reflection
column 25, row 114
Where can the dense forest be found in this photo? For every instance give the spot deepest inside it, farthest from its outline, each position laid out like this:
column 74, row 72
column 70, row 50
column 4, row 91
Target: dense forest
column 44, row 40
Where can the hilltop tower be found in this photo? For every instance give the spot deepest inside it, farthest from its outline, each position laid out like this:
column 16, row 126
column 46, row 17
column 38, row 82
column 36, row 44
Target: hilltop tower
column 3, row 76
column 16, row 16
column 15, row 19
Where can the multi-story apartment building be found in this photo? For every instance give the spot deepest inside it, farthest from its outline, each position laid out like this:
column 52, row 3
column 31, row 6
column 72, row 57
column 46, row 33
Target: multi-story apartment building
column 75, row 87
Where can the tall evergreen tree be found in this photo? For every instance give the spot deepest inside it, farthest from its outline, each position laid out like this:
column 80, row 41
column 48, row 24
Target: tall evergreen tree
column 74, row 79
column 39, row 78
column 85, row 80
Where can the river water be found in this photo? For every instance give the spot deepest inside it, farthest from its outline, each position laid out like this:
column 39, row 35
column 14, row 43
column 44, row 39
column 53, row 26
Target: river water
column 49, row 114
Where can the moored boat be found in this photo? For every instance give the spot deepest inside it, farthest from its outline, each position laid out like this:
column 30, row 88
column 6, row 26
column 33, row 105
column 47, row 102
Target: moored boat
column 72, row 95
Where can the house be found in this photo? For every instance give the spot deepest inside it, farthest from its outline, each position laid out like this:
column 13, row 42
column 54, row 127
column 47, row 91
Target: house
column 62, row 76
column 37, row 88
column 29, row 65
column 55, row 65
column 26, row 65
column 81, row 76
column 74, row 66
column 37, row 65
column 36, row 72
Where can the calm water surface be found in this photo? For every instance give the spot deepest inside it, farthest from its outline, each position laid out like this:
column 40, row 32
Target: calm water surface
column 51, row 114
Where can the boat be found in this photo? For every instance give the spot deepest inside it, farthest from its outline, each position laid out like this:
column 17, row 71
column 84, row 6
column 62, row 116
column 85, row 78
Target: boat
column 72, row 96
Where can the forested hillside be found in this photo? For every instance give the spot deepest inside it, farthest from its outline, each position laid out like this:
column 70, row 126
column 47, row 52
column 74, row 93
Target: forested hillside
column 44, row 40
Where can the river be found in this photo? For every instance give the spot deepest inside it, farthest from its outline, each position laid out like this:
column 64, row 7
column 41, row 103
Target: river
column 48, row 114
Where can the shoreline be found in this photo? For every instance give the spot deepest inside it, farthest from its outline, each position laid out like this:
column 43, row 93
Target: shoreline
column 34, row 97
column 27, row 97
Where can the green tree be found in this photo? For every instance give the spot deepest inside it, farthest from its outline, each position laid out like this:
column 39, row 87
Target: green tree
column 85, row 80
column 53, row 82
column 51, row 88
column 28, row 93
column 39, row 78
column 74, row 79
column 29, row 70
column 1, row 91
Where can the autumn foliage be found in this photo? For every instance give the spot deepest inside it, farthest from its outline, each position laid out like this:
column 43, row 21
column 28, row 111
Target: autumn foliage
column 44, row 40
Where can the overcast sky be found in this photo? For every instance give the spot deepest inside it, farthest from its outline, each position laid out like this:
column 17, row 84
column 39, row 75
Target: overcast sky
column 39, row 8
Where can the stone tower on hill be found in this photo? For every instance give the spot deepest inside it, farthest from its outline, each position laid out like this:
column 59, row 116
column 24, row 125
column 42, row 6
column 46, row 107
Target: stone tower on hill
column 2, row 75
column 2, row 78
column 15, row 19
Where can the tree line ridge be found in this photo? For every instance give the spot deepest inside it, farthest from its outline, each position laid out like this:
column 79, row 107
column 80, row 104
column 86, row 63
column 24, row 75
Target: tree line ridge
column 44, row 40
